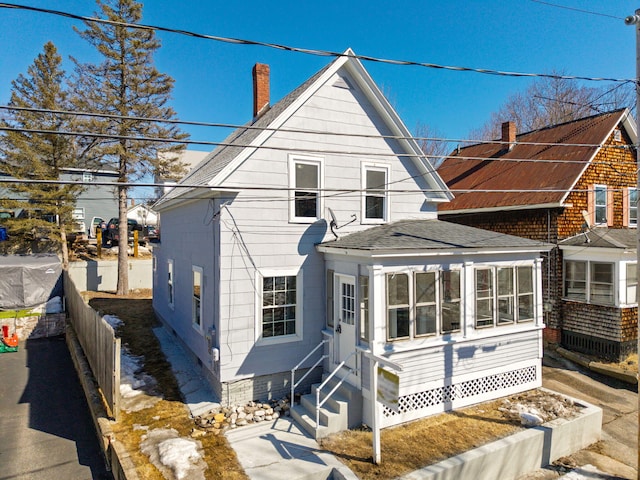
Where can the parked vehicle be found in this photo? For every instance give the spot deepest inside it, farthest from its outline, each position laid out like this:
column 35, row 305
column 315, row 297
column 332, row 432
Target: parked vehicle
column 151, row 233
column 113, row 236
column 95, row 223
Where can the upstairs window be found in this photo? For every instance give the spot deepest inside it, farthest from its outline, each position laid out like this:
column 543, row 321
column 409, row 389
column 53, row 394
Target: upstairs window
column 375, row 199
column 306, row 184
column 633, row 207
column 601, row 204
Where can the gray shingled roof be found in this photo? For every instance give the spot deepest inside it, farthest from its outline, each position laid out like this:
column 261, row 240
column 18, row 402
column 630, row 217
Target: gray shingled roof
column 235, row 143
column 601, row 237
column 431, row 235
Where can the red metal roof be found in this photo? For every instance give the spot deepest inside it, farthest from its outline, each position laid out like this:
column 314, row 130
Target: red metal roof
column 556, row 167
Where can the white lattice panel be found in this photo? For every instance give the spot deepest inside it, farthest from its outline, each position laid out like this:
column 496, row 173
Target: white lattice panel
column 448, row 394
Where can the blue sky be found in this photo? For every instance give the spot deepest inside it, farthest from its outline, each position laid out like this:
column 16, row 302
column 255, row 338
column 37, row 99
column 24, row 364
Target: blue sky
column 213, row 80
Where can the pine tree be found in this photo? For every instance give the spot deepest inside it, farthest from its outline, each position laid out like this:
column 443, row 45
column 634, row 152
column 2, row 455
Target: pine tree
column 125, row 85
column 45, row 209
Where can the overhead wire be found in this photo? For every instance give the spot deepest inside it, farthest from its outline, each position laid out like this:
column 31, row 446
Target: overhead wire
column 308, row 51
column 276, row 129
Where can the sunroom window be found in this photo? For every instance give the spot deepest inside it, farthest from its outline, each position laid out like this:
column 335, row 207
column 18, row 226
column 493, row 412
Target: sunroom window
column 426, row 307
column 450, row 302
column 575, row 280
column 506, row 296
column 525, row 294
column 632, row 282
column 398, row 306
column 484, row 297
column 601, row 283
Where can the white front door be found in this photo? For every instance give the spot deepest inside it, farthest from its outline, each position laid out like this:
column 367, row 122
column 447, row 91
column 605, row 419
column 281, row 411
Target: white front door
column 345, row 334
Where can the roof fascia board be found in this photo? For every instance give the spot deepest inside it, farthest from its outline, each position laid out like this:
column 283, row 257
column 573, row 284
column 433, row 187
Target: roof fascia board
column 398, row 128
column 505, row 209
column 573, row 249
column 391, row 253
column 200, row 194
column 597, row 150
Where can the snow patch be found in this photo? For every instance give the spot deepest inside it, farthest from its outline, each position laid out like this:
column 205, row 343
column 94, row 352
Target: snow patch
column 171, row 453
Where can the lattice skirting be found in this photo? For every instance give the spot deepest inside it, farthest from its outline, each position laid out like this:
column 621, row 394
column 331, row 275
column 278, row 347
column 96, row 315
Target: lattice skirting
column 437, row 399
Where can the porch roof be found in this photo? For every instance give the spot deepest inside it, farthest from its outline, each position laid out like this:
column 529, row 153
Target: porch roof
column 602, row 237
column 430, row 237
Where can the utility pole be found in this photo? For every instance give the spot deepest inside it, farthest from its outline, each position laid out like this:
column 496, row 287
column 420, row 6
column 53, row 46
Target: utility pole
column 635, row 20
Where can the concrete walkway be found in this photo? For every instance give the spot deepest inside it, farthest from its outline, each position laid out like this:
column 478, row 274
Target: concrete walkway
column 276, row 450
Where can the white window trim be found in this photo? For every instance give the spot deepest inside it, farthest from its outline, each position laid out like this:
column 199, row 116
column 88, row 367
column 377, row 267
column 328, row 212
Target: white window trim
column 629, row 206
column 199, row 328
column 171, row 281
column 379, row 167
column 259, row 340
column 597, row 187
column 308, row 160
column 617, row 278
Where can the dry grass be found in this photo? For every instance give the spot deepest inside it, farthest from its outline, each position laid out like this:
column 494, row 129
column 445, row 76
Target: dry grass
column 415, row 445
column 136, row 312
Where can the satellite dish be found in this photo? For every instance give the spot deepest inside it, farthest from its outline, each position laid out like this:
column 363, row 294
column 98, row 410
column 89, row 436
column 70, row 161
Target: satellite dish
column 587, row 218
column 333, row 223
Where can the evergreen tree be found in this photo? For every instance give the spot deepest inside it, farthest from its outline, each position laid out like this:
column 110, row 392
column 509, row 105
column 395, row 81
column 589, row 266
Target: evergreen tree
column 44, row 209
column 125, row 85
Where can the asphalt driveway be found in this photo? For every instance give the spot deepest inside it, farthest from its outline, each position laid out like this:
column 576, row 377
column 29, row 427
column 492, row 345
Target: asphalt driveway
column 45, row 427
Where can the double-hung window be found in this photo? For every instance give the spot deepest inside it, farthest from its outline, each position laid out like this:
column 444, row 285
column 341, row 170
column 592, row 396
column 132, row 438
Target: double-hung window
column 306, row 187
column 363, row 282
column 450, row 301
column 600, row 204
column 506, row 295
column 575, row 279
column 484, row 297
column 632, row 283
column 279, row 305
column 601, row 283
column 398, row 322
column 425, row 303
column 525, row 294
column 196, row 313
column 633, row 207
column 375, row 203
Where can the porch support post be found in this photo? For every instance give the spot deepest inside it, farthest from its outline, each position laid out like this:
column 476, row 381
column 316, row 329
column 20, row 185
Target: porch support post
column 377, row 454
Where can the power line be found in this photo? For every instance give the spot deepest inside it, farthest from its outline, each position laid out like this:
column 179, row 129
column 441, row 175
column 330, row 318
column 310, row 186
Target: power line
column 292, row 130
column 578, row 10
column 310, row 150
column 323, row 53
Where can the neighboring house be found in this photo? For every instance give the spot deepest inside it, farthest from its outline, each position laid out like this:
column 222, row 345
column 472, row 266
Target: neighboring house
column 143, row 214
column 573, row 185
column 95, row 201
column 323, row 251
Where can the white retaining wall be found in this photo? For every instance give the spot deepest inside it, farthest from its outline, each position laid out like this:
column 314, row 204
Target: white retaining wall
column 102, row 275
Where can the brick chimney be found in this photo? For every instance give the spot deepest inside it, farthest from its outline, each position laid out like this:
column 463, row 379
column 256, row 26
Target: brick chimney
column 509, row 135
column 260, row 88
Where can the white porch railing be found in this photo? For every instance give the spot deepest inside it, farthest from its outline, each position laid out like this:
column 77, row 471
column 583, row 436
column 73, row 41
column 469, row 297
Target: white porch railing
column 294, row 384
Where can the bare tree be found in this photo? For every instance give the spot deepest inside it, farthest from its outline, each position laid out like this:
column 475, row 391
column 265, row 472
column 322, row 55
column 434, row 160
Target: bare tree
column 432, row 143
column 553, row 100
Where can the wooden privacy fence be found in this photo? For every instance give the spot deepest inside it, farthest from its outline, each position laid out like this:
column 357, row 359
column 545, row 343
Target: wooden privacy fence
column 100, row 345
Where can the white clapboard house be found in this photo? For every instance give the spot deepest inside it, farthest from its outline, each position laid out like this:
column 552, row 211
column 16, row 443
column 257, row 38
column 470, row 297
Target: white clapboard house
column 316, row 248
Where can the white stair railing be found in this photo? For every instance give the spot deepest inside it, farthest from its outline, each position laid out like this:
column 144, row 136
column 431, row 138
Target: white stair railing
column 294, row 384
column 319, row 403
